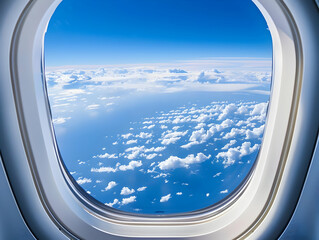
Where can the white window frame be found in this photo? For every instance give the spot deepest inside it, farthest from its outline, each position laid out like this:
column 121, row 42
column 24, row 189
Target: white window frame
column 55, row 208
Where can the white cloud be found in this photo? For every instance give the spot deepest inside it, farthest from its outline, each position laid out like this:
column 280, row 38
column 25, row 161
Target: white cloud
column 217, row 174
column 93, row 107
column 234, row 132
column 175, row 162
column 127, row 191
column 151, row 156
column 128, row 200
column 203, row 118
column 201, row 136
column 140, row 189
column 165, row 198
column 110, row 185
column 157, row 149
column 126, row 136
column 181, row 119
column 144, row 135
column 255, row 133
column 225, row 191
column 104, row 169
column 136, row 151
column 232, row 142
column 131, row 142
column 60, row 120
column 230, row 108
column 190, row 144
column 106, row 155
column 131, row 166
column 234, row 154
column 242, row 110
column 81, row 180
column 170, row 137
column 200, row 125
column 149, row 127
column 115, row 201
column 179, row 193
column 168, row 141
column 259, row 109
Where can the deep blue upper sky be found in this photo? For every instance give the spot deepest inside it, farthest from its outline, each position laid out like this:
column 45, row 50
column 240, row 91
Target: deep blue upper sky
column 86, row 32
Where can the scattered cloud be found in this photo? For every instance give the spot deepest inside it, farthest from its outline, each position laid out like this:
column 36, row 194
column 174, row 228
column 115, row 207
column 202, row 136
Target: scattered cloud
column 165, row 198
column 127, row 191
column 60, row 120
column 140, row 189
column 175, row 162
column 104, row 169
column 115, row 201
column 131, row 166
column 93, row 107
column 234, row 154
column 110, row 185
column 82, row 180
column 126, row 201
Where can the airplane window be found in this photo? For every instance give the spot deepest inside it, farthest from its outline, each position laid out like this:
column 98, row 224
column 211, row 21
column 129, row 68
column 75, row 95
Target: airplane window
column 158, row 107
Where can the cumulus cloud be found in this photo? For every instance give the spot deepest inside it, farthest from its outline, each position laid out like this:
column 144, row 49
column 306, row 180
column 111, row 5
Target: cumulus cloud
column 170, row 137
column 127, row 191
column 106, row 155
column 128, row 200
column 140, row 189
column 224, row 191
column 175, row 162
column 155, row 149
column 234, row 132
column 144, row 135
column 259, row 109
column 232, row 142
column 131, row 142
column 126, row 136
column 149, row 127
column 190, row 144
column 131, row 166
column 203, row 118
column 151, row 156
column 234, row 154
column 60, row 120
column 201, row 136
column 230, row 108
column 104, row 169
column 255, row 133
column 110, row 185
column 82, row 180
column 165, row 198
column 115, row 201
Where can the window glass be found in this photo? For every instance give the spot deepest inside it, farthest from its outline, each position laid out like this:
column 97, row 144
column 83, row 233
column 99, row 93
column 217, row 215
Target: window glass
column 159, row 106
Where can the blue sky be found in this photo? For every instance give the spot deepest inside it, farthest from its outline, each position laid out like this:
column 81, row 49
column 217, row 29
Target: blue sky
column 83, row 32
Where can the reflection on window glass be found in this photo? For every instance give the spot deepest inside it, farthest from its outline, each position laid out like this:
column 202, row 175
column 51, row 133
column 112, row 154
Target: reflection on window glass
column 159, row 106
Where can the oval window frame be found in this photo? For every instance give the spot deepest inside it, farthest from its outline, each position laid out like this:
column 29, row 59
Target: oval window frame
column 76, row 217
